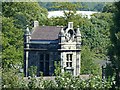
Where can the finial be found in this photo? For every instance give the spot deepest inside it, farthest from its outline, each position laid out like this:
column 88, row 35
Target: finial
column 27, row 30
column 78, row 31
column 36, row 24
column 70, row 25
column 61, row 31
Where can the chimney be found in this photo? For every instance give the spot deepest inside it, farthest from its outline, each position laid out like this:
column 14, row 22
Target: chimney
column 70, row 25
column 36, row 23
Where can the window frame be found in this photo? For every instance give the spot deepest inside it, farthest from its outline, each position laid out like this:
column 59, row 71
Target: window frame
column 69, row 60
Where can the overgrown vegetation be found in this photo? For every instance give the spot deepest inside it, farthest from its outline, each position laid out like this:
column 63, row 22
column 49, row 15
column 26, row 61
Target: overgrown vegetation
column 61, row 81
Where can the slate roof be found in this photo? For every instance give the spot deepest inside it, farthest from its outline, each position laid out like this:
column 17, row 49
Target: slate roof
column 45, row 33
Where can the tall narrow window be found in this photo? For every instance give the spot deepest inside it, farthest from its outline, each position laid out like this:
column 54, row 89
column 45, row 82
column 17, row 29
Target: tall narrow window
column 69, row 60
column 67, row 57
column 47, row 57
column 44, row 63
column 70, row 57
column 41, row 57
column 46, row 72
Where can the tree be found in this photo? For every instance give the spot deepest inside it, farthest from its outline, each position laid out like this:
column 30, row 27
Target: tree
column 24, row 13
column 109, row 8
column 88, row 63
column 12, row 49
column 15, row 17
column 114, row 50
column 69, row 9
column 98, row 32
column 98, row 7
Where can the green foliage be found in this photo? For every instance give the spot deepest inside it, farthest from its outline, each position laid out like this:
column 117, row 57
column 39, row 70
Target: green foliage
column 84, row 6
column 32, row 82
column 114, row 50
column 96, row 34
column 48, row 84
column 32, row 71
column 88, row 65
column 67, row 81
column 16, row 15
column 67, row 6
column 12, row 78
column 70, row 7
column 12, row 53
column 57, row 68
column 109, row 71
column 109, row 8
column 63, row 81
column 24, row 13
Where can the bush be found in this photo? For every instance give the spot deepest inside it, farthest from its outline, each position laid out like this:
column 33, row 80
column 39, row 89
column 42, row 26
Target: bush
column 66, row 81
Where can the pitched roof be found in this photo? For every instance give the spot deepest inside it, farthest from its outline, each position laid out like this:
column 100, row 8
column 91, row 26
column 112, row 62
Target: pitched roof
column 45, row 33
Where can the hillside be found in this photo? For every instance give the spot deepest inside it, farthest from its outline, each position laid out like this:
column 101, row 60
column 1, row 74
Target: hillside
column 86, row 6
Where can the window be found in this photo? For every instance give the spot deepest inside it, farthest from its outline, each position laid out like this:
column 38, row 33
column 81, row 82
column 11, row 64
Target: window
column 69, row 57
column 41, row 57
column 44, row 63
column 69, row 60
column 47, row 57
column 41, row 66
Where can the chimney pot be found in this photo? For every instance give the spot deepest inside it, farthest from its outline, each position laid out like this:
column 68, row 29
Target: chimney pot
column 70, row 25
column 36, row 23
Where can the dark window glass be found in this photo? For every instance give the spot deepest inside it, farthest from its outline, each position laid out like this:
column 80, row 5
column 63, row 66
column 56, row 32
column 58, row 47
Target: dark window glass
column 67, row 64
column 46, row 69
column 41, row 66
column 70, row 57
column 67, row 57
column 69, row 60
column 70, row 64
column 42, row 57
column 47, row 57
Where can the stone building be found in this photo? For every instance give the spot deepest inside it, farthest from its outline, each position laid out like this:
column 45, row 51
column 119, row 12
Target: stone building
column 47, row 44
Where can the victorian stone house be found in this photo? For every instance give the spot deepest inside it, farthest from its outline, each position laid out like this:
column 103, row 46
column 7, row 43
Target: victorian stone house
column 46, row 44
